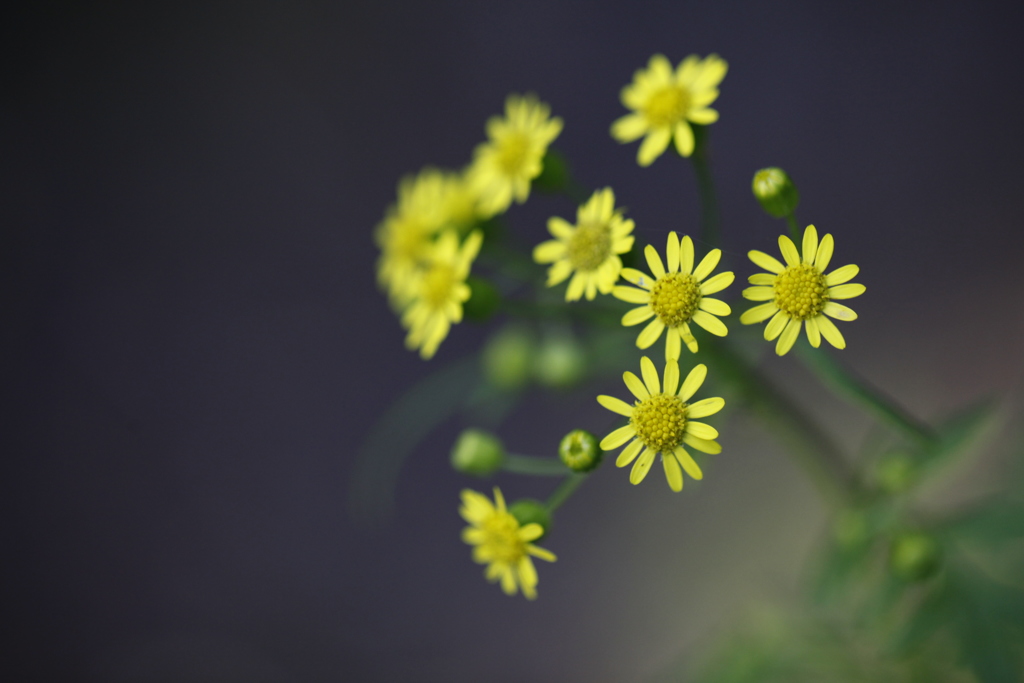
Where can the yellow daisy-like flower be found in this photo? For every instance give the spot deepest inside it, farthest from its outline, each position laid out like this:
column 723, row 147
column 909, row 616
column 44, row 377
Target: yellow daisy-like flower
column 589, row 248
column 800, row 294
column 439, row 291
column 661, row 421
column 675, row 296
column 665, row 102
column 501, row 543
column 504, row 165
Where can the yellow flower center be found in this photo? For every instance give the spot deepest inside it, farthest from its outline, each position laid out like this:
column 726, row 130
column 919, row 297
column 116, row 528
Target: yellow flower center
column 666, row 106
column 502, row 538
column 800, row 291
column 659, row 421
column 438, row 283
column 674, row 298
column 589, row 246
column 512, row 152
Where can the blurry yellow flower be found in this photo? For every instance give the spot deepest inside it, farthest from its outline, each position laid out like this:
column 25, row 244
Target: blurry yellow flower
column 665, row 102
column 675, row 296
column 800, row 294
column 503, row 166
column 661, row 421
column 439, row 291
column 501, row 543
column 589, row 248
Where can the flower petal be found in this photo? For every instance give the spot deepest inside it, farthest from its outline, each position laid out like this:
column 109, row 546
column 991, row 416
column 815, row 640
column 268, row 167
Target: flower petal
column 671, row 376
column 693, row 381
column 560, row 228
column 761, row 279
column 641, row 467
column 710, row 323
column 628, row 453
column 830, row 332
column 686, row 255
column 617, row 438
column 558, row 272
column 759, row 293
column 707, row 264
column 672, row 252
column 635, row 386
column 824, row 255
column 846, row 291
column 684, row 138
column 654, row 261
column 705, row 407
column 672, row 472
column 717, row 283
column 839, row 311
column 637, row 277
column 688, row 463
column 687, row 337
column 702, row 445
column 631, row 295
column 616, row 405
column 650, row 374
column 548, row 252
column 758, row 313
column 650, row 334
column 841, row 275
column 789, row 251
column 673, row 344
column 576, row 286
column 769, row 263
column 788, row 337
column 629, row 128
column 653, row 145
column 703, row 117
column 775, row 326
column 530, row 532
column 542, row 553
column 813, row 333
column 701, row 430
column 714, row 306
column 637, row 316
column 810, row 246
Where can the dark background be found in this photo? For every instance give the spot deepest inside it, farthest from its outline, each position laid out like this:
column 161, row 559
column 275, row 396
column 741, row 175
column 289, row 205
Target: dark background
column 193, row 345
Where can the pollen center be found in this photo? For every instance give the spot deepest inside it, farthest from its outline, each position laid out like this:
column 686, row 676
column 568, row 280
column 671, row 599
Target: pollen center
column 512, row 153
column 589, row 246
column 800, row 291
column 667, row 106
column 659, row 421
column 674, row 298
column 438, row 283
column 502, row 541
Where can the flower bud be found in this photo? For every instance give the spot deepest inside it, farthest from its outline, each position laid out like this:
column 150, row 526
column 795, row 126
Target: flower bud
column 915, row 556
column 560, row 362
column 579, row 451
column 478, row 453
column 776, row 192
column 851, row 529
column 895, row 473
column 529, row 511
column 508, row 358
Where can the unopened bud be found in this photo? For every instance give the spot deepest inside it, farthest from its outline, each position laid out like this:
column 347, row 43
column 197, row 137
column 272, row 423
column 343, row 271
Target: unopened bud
column 579, row 450
column 895, row 473
column 478, row 453
column 915, row 556
column 560, row 362
column 508, row 358
column 776, row 192
column 529, row 511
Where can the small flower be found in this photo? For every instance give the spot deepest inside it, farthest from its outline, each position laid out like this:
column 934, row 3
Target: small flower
column 800, row 294
column 666, row 102
column 662, row 421
column 504, row 165
column 675, row 297
column 439, row 291
column 590, row 248
column 502, row 543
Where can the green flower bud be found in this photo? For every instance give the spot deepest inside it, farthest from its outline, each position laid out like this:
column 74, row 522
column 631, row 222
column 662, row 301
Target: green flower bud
column 776, row 192
column 560, row 362
column 895, row 473
column 851, row 529
column 529, row 511
column 478, row 453
column 483, row 299
column 915, row 556
column 508, row 358
column 579, row 451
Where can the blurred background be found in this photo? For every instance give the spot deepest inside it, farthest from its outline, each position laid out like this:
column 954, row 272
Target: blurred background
column 194, row 347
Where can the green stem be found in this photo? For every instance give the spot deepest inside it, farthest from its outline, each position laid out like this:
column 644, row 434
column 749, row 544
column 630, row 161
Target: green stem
column 528, row 464
column 860, row 390
column 811, row 447
column 709, row 219
column 564, row 490
column 794, row 229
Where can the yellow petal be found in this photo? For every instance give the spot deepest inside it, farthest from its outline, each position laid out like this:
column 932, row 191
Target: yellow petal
column 637, row 277
column 693, row 381
column 650, row 334
column 635, row 386
column 654, row 261
column 707, row 264
column 846, row 291
column 717, row 283
column 841, row 275
column 671, row 376
column 560, row 228
column 789, row 251
column 684, row 138
column 701, row 430
column 637, row 316
column 758, row 313
column 769, row 263
column 702, row 445
column 641, row 467
column 672, row 252
column 688, row 463
column 548, row 252
column 788, row 337
column 824, row 255
column 616, row 405
column 629, row 128
column 650, row 374
column 703, row 117
column 775, row 326
column 813, row 333
column 705, row 407
column 710, row 323
column 714, row 306
column 839, row 311
column 810, row 246
column 759, row 293
column 830, row 332
column 617, row 438
column 761, row 279
column 672, row 472
column 631, row 295
column 686, row 255
column 628, row 453
column 673, row 345
column 653, row 145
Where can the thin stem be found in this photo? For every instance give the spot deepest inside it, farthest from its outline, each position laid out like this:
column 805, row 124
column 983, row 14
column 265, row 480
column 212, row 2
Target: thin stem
column 794, row 229
column 811, row 447
column 709, row 219
column 564, row 490
column 528, row 464
column 870, row 397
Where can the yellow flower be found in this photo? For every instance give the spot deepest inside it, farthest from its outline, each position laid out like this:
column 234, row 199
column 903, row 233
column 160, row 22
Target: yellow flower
column 439, row 291
column 428, row 202
column 800, row 294
column 503, row 166
column 662, row 421
column 501, row 543
column 665, row 102
column 675, row 297
column 589, row 249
